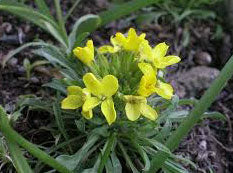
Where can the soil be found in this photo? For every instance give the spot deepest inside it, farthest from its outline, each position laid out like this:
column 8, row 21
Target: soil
column 209, row 144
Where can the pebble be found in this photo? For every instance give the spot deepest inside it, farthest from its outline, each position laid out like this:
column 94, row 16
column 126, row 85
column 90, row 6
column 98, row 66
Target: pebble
column 203, row 58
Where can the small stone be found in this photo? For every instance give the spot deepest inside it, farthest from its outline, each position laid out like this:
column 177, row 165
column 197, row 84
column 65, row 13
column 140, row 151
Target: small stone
column 34, row 80
column 203, row 58
column 7, row 27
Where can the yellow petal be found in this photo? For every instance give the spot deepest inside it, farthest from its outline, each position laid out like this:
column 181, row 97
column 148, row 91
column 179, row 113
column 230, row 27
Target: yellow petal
column 145, row 52
column 147, row 86
column 110, row 85
column 160, row 50
column 88, row 115
column 147, row 69
column 107, row 107
column 74, row 90
column 118, row 40
column 132, row 111
column 164, row 90
column 134, row 41
column 92, row 84
column 86, row 54
column 148, row 112
column 86, row 93
column 106, row 49
column 72, row 102
column 90, row 103
column 90, row 45
column 134, row 99
column 168, row 60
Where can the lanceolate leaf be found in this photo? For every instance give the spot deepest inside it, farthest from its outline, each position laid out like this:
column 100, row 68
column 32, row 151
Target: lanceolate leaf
column 43, row 8
column 73, row 162
column 26, row 12
column 19, row 161
column 85, row 24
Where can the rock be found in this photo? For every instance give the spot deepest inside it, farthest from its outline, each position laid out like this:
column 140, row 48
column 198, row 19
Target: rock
column 191, row 83
column 203, row 58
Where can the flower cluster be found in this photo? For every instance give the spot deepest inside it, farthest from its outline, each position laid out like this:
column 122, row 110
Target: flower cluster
column 125, row 72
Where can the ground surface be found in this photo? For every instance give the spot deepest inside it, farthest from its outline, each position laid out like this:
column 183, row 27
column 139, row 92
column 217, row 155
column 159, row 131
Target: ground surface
column 209, row 144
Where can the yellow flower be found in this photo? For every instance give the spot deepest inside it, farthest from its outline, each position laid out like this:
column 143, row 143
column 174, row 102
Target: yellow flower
column 136, row 106
column 149, row 83
column 85, row 54
column 76, row 98
column 130, row 43
column 103, row 90
column 148, row 80
column 157, row 55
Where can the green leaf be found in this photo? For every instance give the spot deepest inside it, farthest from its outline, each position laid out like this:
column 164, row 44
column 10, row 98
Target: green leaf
column 19, row 161
column 150, row 17
column 124, row 9
column 56, row 58
column 19, row 49
column 106, row 152
column 57, row 85
column 178, row 116
column 142, row 154
column 35, row 103
column 87, row 23
column 116, row 164
column 57, row 34
column 43, row 8
column 60, row 121
column 214, row 115
column 174, row 167
column 26, row 12
column 71, row 9
column 127, row 158
column 74, row 161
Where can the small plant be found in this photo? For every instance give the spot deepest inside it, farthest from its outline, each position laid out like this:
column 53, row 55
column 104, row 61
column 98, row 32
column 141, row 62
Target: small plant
column 179, row 11
column 29, row 66
column 118, row 113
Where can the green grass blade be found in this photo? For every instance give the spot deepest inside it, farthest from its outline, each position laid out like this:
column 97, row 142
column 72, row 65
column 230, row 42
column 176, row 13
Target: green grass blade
column 59, row 36
column 12, row 135
column 117, row 168
column 74, row 161
column 19, row 49
column 71, row 10
column 19, row 161
column 206, row 100
column 127, row 158
column 60, row 122
column 106, row 152
column 142, row 153
column 43, row 8
column 26, row 12
column 123, row 10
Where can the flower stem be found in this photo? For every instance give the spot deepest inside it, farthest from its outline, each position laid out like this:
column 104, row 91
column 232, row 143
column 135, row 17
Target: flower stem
column 12, row 135
column 195, row 115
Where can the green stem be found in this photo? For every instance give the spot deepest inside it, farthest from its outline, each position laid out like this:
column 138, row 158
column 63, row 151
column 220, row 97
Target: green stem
column 123, row 10
column 204, row 103
column 12, row 135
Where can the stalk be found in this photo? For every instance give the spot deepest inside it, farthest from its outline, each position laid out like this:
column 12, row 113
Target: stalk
column 12, row 135
column 195, row 115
